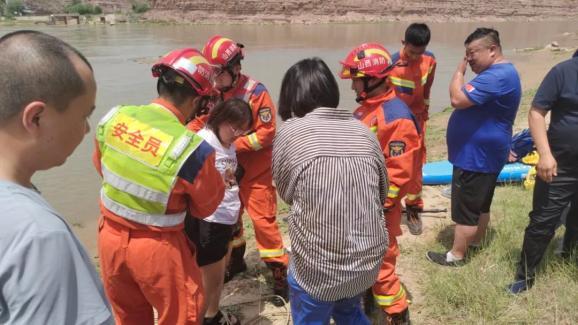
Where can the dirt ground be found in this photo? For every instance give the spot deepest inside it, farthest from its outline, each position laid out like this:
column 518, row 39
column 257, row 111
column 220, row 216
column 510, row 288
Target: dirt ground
column 247, row 294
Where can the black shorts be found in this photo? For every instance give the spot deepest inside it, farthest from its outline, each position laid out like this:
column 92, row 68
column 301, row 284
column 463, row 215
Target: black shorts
column 210, row 238
column 472, row 194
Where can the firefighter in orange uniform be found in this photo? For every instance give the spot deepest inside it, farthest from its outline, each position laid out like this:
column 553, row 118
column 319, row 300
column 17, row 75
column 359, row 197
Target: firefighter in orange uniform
column 254, row 152
column 412, row 78
column 153, row 171
column 369, row 66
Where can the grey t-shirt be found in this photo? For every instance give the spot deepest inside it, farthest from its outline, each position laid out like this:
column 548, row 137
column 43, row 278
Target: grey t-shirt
column 46, row 276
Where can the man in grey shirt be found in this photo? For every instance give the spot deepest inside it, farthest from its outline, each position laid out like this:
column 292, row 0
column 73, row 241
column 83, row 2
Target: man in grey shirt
column 46, row 277
column 330, row 169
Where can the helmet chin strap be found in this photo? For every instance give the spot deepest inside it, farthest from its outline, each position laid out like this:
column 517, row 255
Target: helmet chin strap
column 368, row 89
column 234, row 78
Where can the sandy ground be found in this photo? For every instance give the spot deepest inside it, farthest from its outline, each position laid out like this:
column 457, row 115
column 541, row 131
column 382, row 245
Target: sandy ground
column 246, row 294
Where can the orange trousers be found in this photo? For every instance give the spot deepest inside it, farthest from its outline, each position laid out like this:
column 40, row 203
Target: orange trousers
column 414, row 186
column 142, row 270
column 261, row 204
column 387, row 290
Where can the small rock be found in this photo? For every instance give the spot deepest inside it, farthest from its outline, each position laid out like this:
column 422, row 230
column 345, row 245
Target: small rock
column 554, row 44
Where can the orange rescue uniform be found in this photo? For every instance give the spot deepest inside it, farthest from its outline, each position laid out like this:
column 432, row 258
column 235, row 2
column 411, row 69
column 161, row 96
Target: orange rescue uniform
column 145, row 267
column 412, row 81
column 390, row 119
column 254, row 153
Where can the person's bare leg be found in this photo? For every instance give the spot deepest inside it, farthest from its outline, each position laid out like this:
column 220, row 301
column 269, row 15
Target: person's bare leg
column 213, row 277
column 482, row 229
column 463, row 235
column 227, row 257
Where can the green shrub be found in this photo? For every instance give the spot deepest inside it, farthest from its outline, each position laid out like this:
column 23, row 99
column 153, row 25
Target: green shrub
column 140, row 7
column 82, row 9
column 13, row 8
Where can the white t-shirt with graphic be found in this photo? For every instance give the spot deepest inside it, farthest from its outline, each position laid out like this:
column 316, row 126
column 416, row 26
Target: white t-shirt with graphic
column 226, row 163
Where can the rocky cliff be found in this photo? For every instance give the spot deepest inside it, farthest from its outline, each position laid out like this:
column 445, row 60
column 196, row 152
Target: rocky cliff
column 333, row 10
column 359, row 10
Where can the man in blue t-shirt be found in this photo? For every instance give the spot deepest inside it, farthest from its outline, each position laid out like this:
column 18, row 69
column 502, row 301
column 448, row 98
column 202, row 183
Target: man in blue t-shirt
column 478, row 137
column 557, row 181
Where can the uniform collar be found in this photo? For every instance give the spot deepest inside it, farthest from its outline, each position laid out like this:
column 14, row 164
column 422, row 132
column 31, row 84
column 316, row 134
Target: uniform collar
column 387, row 96
column 239, row 83
column 171, row 108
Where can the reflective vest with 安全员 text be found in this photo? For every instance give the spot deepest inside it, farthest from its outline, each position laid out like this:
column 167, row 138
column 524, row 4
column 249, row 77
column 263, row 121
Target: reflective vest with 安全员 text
column 142, row 150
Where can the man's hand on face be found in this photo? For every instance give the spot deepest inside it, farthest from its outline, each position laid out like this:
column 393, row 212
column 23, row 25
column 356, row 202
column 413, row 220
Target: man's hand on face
column 463, row 65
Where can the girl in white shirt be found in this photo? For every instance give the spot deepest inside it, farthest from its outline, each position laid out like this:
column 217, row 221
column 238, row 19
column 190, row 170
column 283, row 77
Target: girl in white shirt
column 212, row 236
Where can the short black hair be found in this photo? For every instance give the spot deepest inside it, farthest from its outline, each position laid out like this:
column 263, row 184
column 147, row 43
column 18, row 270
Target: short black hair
column 307, row 85
column 174, row 87
column 37, row 66
column 490, row 34
column 235, row 111
column 417, row 34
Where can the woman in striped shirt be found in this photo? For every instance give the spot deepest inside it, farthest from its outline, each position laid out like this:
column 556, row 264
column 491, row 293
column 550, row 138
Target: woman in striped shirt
column 329, row 168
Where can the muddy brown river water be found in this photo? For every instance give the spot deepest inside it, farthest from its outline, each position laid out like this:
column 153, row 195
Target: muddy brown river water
column 121, row 57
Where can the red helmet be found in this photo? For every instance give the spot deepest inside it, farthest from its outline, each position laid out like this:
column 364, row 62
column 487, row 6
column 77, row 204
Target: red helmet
column 223, row 51
column 366, row 60
column 189, row 64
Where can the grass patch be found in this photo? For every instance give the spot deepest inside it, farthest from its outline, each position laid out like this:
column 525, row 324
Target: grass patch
column 521, row 121
column 435, row 137
column 475, row 293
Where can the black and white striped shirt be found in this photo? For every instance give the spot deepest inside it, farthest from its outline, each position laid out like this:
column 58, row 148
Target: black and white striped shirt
column 329, row 168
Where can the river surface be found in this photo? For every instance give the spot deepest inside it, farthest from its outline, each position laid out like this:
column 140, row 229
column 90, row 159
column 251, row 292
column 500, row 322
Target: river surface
column 122, row 55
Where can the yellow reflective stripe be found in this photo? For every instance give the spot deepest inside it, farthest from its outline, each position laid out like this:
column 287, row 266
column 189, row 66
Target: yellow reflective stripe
column 140, row 191
column 424, row 79
column 369, row 52
column 215, row 51
column 378, row 52
column 402, row 82
column 254, row 141
column 393, row 192
column 413, row 196
column 373, row 129
column 158, row 220
column 426, row 101
column 267, row 253
column 390, row 300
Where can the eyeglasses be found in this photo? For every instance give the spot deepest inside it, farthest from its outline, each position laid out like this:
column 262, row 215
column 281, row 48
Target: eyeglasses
column 238, row 132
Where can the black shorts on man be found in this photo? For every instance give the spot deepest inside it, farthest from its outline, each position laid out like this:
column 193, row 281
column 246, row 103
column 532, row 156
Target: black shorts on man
column 472, row 194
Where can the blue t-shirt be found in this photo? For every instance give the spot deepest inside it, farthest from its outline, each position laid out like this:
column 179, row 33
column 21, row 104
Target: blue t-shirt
column 46, row 276
column 478, row 137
